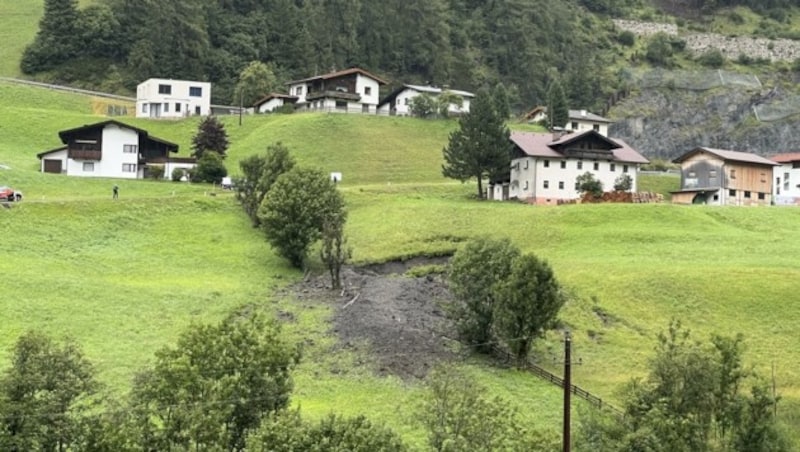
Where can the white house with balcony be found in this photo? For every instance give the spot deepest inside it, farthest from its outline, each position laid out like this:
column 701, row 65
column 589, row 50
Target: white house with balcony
column 400, row 100
column 111, row 149
column 352, row 90
column 786, row 179
column 172, row 99
column 545, row 166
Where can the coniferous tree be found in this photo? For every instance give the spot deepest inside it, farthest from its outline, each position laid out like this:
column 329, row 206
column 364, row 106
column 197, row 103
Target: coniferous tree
column 211, row 136
column 481, row 147
column 55, row 42
column 557, row 108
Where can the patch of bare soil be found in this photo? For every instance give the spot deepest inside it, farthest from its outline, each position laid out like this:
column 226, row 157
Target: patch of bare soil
column 399, row 317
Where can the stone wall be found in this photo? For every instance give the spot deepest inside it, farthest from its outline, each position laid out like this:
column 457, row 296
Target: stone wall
column 731, row 47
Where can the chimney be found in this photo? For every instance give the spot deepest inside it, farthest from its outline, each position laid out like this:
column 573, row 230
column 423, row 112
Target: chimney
column 558, row 133
column 583, row 113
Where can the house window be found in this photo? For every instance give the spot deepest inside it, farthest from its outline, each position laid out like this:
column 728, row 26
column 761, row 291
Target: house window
column 763, row 177
column 197, row 110
column 177, row 107
column 612, row 167
column 144, row 108
column 561, row 185
column 596, row 128
column 88, row 167
column 547, row 184
column 716, row 197
column 795, row 164
column 164, row 89
column 405, row 101
column 526, row 166
column 129, row 148
column 761, row 196
column 365, row 108
column 367, row 90
column 731, row 192
column 196, row 91
column 747, row 194
column 526, row 185
column 580, row 164
column 341, row 105
column 128, row 167
column 577, row 186
column 166, row 108
column 547, row 163
column 298, row 91
column 563, row 164
column 596, row 166
column 624, row 168
column 574, row 126
column 733, row 174
column 692, row 174
column 712, row 174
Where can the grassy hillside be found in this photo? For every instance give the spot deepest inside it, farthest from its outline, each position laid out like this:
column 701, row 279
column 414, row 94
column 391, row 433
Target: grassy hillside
column 126, row 277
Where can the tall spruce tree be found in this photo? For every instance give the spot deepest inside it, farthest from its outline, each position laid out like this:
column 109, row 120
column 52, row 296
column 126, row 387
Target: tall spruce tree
column 557, row 108
column 481, row 147
column 211, row 136
column 56, row 41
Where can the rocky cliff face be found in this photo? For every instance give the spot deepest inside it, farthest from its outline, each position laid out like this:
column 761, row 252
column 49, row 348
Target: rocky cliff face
column 666, row 123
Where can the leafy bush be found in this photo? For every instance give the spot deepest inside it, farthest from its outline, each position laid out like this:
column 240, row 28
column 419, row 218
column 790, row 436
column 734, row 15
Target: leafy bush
column 155, row 172
column 423, row 105
column 623, row 183
column 660, row 50
column 626, row 38
column 210, row 169
column 177, row 174
column 712, row 58
column 285, row 109
column 587, row 183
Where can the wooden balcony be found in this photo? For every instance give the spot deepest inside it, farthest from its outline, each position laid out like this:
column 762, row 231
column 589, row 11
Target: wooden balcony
column 85, row 154
column 330, row 94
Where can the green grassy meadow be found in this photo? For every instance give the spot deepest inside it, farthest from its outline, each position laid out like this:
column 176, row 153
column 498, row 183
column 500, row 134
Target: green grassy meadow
column 125, row 278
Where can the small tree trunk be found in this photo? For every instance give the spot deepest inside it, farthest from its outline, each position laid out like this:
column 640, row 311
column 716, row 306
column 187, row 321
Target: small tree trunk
column 480, row 187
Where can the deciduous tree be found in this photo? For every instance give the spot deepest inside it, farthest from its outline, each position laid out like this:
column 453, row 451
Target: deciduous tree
column 528, row 302
column 481, row 147
column 209, row 169
column 257, row 80
column 296, row 209
column 259, row 173
column 211, row 389
column 474, row 274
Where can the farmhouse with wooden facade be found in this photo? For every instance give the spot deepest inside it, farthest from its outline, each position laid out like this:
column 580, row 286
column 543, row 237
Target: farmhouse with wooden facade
column 722, row 177
column 545, row 166
column 111, row 149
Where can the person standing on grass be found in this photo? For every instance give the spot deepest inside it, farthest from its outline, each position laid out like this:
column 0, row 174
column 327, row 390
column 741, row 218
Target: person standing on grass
column 115, row 191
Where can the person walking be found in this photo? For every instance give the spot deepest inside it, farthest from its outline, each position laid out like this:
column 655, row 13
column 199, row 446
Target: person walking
column 115, row 191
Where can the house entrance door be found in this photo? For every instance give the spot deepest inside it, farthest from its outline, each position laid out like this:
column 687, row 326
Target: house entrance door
column 155, row 110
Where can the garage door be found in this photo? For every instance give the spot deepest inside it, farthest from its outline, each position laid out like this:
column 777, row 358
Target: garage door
column 52, row 166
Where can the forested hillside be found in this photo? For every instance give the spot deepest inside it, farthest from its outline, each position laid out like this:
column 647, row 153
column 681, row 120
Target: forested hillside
column 114, row 44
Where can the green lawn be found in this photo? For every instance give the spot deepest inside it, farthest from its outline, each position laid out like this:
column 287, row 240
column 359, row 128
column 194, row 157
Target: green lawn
column 126, row 277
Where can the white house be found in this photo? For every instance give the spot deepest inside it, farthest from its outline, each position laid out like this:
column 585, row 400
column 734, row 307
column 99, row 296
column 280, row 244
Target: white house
column 166, row 98
column 786, row 179
column 352, row 90
column 399, row 101
column 582, row 120
column 545, row 166
column 272, row 102
column 111, row 149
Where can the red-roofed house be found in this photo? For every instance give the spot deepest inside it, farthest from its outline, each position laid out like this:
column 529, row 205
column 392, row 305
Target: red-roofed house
column 352, row 90
column 545, row 166
column 721, row 177
column 786, row 179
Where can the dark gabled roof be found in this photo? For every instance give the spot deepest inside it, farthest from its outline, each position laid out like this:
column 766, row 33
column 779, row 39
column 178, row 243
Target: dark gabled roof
column 542, row 145
column 271, row 96
column 64, row 134
column 587, row 116
column 42, row 154
column 330, row 75
column 730, row 156
column 789, row 157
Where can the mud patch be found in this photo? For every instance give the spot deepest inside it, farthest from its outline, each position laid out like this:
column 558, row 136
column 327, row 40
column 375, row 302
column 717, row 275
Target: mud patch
column 399, row 318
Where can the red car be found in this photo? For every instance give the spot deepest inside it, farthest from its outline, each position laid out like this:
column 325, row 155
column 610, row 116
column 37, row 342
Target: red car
column 8, row 194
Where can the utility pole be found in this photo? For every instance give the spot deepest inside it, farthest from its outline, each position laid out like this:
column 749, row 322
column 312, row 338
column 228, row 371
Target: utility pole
column 567, row 391
column 241, row 104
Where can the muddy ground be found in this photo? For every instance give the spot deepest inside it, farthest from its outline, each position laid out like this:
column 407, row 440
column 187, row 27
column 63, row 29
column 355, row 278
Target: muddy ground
column 399, row 318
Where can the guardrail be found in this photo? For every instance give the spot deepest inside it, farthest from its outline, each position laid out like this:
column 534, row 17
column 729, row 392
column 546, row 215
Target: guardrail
column 66, row 89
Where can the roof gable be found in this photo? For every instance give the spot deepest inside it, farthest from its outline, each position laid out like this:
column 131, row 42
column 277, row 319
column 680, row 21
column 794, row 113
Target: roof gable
column 598, row 147
column 271, row 96
column 789, row 157
column 337, row 74
column 729, row 156
column 583, row 115
column 65, row 135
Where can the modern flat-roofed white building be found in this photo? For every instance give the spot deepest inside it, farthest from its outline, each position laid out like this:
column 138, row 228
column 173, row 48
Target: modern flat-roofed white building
column 172, row 99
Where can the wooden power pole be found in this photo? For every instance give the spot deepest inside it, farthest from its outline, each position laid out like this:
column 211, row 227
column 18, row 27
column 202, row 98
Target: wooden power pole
column 567, row 391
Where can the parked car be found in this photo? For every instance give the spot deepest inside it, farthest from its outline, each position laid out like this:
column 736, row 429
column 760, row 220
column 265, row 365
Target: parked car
column 8, row 194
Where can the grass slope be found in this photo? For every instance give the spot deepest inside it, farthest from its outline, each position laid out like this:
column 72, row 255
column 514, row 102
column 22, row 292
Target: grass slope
column 126, row 277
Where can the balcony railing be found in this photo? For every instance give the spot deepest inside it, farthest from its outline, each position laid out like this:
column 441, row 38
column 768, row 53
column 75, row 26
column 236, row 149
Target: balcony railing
column 85, row 154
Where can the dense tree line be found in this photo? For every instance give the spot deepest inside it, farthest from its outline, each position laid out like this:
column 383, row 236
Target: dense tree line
column 115, row 44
